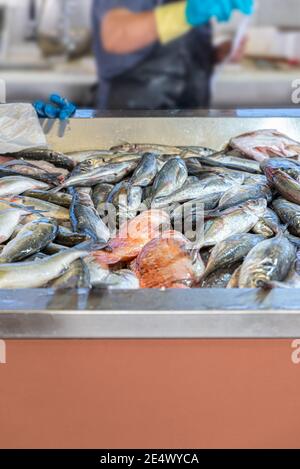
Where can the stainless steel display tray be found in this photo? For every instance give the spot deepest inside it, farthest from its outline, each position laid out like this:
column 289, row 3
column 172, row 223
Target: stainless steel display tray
column 196, row 313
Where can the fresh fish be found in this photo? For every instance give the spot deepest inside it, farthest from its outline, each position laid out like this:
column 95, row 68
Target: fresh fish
column 240, row 194
column 56, row 158
column 190, row 209
column 66, row 237
column 97, row 162
column 219, row 278
column 269, row 261
column 77, row 276
column 110, row 173
column 167, row 263
column 32, row 238
column 268, row 225
column 142, row 148
column 146, row 171
column 85, row 219
column 62, row 199
column 38, row 273
column 48, row 209
column 200, row 151
column 232, row 162
column 288, row 187
column 97, row 271
column 133, row 236
column 100, row 195
column 120, row 280
column 231, row 250
column 170, row 178
column 201, row 189
column 290, row 167
column 15, row 185
column 9, row 220
column 54, row 248
column 237, row 220
column 22, row 168
column 289, row 214
column 79, row 156
column 263, row 144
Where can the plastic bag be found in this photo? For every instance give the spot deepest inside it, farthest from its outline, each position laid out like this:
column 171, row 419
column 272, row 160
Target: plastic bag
column 20, row 128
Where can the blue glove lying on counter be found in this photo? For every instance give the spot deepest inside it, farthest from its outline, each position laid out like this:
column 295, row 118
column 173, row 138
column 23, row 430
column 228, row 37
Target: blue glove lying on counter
column 58, row 108
column 201, row 11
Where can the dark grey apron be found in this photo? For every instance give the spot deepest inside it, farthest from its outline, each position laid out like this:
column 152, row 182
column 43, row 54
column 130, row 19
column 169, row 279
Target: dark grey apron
column 175, row 76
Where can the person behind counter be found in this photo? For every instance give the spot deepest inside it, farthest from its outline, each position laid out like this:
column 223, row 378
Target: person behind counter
column 158, row 54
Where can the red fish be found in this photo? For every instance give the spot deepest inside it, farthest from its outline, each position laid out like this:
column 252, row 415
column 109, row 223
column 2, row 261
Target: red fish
column 166, row 262
column 133, row 236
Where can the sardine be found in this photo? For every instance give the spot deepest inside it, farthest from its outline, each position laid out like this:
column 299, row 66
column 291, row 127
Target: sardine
column 237, row 195
column 269, row 261
column 238, row 220
column 37, row 274
column 47, row 209
column 231, row 250
column 62, row 199
column 33, row 237
column 201, row 189
column 110, row 173
column 170, row 178
column 77, row 276
column 15, row 185
column 288, row 187
column 268, row 225
column 289, row 214
column 56, row 158
column 147, row 148
column 120, row 280
column 22, row 168
column 85, row 219
column 100, row 194
column 146, row 171
column 9, row 220
column 66, row 237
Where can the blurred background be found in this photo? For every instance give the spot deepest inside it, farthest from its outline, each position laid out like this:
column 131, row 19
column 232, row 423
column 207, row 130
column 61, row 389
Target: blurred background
column 45, row 46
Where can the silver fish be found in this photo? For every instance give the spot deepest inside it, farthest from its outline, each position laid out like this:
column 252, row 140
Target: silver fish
column 9, row 220
column 268, row 261
column 33, row 237
column 85, row 219
column 77, row 276
column 231, row 250
column 170, row 178
column 37, row 274
column 110, row 173
column 201, row 189
column 289, row 214
column 97, row 272
column 146, row 171
column 15, row 185
column 120, row 280
column 237, row 195
column 61, row 199
column 268, row 225
column 237, row 220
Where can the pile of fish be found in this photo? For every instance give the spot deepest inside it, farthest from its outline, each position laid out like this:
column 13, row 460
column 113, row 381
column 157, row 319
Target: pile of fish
column 153, row 216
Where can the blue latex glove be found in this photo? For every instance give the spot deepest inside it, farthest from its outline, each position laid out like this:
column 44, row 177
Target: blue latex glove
column 201, row 11
column 58, row 108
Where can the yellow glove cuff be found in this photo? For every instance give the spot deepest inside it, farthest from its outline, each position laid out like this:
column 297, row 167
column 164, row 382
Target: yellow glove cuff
column 171, row 21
